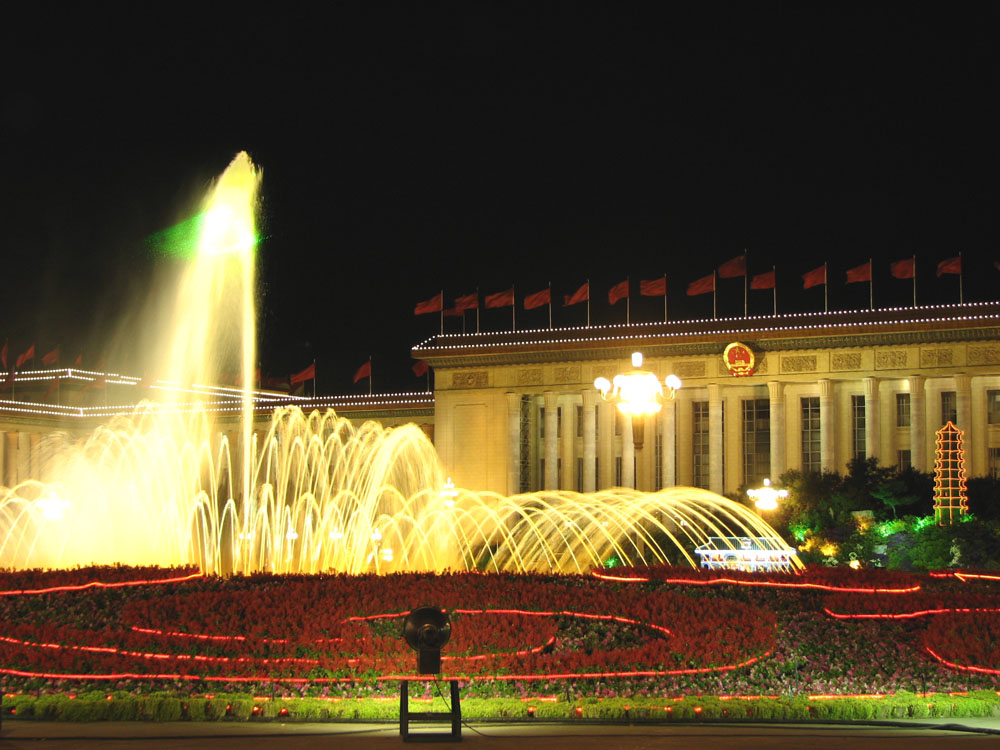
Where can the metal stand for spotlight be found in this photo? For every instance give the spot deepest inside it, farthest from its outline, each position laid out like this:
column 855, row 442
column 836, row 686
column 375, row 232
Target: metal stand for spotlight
column 406, row 716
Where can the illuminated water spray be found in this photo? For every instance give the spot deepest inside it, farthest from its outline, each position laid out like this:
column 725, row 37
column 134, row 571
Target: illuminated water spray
column 171, row 485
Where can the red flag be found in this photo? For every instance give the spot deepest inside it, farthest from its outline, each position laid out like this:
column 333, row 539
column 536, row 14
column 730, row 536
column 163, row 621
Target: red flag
column 949, row 265
column 78, row 362
column 3, row 355
column 763, row 281
column 814, row 277
column 902, row 269
column 580, row 295
column 52, row 358
column 733, row 268
column 434, row 304
column 452, row 312
column 307, row 374
column 468, row 302
column 860, row 273
column 996, row 265
column 618, row 292
column 9, row 381
column 30, row 354
column 702, row 286
column 501, row 299
column 420, row 368
column 654, row 287
column 365, row 371
column 538, row 299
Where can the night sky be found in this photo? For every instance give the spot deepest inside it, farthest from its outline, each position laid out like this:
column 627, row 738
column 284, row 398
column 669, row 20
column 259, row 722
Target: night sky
column 412, row 147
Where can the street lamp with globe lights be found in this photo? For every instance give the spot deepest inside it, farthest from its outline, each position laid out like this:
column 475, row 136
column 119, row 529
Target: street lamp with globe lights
column 638, row 394
column 766, row 498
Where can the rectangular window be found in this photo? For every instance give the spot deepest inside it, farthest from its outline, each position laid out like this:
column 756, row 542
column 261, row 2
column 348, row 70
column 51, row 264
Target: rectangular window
column 699, row 447
column 579, row 421
column 579, row 475
column 994, row 467
column 559, row 422
column 541, row 423
column 810, row 434
column 993, row 407
column 902, row 410
column 756, row 440
column 858, row 427
column 618, row 471
column 902, row 460
column 949, row 407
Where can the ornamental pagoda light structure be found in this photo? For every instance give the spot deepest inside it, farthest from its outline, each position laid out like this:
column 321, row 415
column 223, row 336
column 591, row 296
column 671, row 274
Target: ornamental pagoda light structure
column 638, row 393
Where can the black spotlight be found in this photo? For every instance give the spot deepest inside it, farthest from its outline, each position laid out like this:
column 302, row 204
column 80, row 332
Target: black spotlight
column 427, row 630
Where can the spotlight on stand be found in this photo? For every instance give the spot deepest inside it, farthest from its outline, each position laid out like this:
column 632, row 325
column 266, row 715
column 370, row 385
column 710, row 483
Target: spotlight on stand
column 427, row 630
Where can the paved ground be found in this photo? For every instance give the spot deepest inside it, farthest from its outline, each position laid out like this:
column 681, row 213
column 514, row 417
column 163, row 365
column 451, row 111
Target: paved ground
column 975, row 733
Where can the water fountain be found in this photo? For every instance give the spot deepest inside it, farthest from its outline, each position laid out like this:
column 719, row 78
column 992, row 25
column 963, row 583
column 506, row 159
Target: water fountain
column 314, row 493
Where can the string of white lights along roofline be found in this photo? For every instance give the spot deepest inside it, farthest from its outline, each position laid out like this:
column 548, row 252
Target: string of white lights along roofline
column 421, row 398
column 768, row 329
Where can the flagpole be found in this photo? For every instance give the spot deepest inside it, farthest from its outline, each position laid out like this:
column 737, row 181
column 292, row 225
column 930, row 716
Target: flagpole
column 746, row 281
column 628, row 300
column 826, row 290
column 314, row 377
column 664, row 296
column 960, row 298
column 513, row 310
column 871, row 285
column 715, row 283
column 442, row 312
column 588, row 303
column 370, row 377
column 914, row 279
column 550, row 305
column 774, row 289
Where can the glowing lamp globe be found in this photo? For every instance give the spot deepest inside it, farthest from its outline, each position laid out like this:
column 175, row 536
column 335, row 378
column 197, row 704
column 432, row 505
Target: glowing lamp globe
column 637, row 393
column 766, row 498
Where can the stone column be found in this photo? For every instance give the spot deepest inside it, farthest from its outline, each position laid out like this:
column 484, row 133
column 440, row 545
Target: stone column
column 513, row 443
column 918, row 426
column 963, row 404
column 568, row 479
column 10, row 459
column 668, row 429
column 589, row 440
column 733, row 428
column 684, row 425
column 628, row 453
column 34, row 455
column 776, row 395
column 873, row 420
column 715, row 438
column 827, row 446
column 551, row 479
column 605, row 445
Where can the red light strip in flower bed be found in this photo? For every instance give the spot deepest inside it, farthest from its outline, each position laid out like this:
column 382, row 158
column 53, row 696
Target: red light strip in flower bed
column 384, row 678
column 963, row 667
column 584, row 615
column 208, row 637
column 771, row 584
column 100, row 585
column 964, row 577
column 905, row 615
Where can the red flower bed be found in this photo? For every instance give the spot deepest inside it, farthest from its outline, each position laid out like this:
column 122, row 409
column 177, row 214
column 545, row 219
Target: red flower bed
column 339, row 627
column 814, row 577
column 968, row 641
column 920, row 604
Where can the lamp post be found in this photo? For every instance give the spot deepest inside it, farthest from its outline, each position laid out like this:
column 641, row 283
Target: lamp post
column 638, row 393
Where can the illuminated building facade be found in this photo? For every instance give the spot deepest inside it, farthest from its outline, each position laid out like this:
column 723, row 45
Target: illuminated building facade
column 517, row 411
